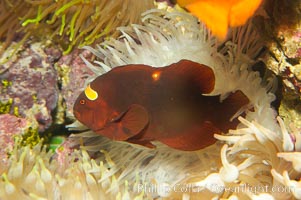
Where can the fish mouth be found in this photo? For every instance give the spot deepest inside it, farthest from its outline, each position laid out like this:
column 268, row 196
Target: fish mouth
column 76, row 114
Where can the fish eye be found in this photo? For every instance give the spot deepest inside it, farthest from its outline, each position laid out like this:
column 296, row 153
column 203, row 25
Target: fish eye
column 82, row 102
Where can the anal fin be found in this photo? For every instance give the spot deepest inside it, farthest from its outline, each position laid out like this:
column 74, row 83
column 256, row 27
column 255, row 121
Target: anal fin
column 145, row 143
column 194, row 139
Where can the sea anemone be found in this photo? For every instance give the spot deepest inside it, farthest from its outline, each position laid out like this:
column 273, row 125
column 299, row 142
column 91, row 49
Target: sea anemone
column 166, row 38
column 31, row 174
column 245, row 158
column 72, row 23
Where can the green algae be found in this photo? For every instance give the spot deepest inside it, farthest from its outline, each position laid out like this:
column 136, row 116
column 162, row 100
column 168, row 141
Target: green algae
column 34, row 98
column 290, row 109
column 6, row 83
column 5, row 107
column 16, row 111
column 55, row 142
column 31, row 137
column 28, row 137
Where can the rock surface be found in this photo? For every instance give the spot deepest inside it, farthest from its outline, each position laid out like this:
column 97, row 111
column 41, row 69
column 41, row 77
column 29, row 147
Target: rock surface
column 10, row 127
column 29, row 81
column 73, row 73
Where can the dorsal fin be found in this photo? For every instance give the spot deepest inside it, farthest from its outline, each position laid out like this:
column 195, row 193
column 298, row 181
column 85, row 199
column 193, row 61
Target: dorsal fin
column 201, row 74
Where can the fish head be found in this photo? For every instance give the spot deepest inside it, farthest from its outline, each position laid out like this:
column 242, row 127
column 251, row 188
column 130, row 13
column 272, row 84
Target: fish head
column 102, row 106
column 91, row 109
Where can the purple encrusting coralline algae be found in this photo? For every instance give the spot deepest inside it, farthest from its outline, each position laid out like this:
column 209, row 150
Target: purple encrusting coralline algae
column 73, row 74
column 31, row 83
column 10, row 126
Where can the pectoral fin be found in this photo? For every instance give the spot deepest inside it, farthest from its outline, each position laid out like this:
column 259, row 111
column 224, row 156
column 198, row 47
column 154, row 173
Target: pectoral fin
column 127, row 125
column 135, row 119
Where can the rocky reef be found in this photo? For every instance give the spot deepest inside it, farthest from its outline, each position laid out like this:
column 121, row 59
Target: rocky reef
column 29, row 82
column 280, row 26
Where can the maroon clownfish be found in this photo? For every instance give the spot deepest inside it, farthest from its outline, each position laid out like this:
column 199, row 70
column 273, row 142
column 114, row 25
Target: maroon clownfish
column 140, row 104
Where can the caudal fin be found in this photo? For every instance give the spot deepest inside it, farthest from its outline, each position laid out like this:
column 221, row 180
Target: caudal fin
column 228, row 108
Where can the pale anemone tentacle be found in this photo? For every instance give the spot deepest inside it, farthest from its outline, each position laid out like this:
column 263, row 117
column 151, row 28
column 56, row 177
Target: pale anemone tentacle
column 294, row 157
column 228, row 172
column 257, row 156
column 290, row 185
column 295, row 186
column 213, row 182
column 30, row 175
column 262, row 196
column 287, row 141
